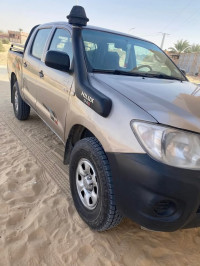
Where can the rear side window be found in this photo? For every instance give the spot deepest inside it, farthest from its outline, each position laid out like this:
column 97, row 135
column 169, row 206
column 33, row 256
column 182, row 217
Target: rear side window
column 39, row 43
column 62, row 41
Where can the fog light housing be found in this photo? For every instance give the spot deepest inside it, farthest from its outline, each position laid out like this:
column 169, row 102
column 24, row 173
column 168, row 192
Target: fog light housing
column 164, row 208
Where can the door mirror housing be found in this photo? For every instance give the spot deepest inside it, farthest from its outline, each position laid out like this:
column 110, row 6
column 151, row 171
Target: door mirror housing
column 183, row 71
column 58, row 60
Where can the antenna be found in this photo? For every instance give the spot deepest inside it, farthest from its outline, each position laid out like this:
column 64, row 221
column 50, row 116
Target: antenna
column 131, row 30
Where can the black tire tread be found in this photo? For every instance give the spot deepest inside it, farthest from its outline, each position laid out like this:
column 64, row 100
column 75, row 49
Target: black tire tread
column 23, row 108
column 114, row 217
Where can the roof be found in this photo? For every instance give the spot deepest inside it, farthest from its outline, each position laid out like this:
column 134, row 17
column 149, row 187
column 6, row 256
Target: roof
column 63, row 23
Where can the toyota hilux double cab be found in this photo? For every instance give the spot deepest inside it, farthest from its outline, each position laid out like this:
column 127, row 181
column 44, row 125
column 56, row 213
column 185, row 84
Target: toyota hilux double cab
column 127, row 115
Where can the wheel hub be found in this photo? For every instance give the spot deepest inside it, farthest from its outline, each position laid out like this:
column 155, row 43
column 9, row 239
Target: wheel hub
column 86, row 183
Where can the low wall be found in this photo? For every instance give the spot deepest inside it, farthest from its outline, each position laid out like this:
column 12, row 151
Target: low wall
column 190, row 62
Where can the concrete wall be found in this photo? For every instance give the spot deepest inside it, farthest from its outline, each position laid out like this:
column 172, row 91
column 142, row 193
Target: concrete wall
column 190, row 62
column 17, row 37
column 4, row 36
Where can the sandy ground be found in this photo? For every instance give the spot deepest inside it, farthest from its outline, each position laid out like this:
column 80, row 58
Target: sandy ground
column 194, row 79
column 3, row 55
column 38, row 222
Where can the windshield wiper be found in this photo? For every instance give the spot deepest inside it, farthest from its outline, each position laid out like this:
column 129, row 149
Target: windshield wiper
column 163, row 76
column 136, row 74
column 120, row 72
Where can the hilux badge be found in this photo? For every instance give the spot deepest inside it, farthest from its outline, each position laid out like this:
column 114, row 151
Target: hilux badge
column 87, row 97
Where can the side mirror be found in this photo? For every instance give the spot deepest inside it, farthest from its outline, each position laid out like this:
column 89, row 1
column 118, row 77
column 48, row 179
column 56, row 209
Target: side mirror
column 58, row 60
column 183, row 71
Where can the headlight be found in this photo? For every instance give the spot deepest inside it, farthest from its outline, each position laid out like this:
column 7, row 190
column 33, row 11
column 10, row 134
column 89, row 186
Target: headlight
column 171, row 146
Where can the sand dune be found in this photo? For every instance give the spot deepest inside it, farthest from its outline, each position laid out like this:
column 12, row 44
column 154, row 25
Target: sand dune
column 38, row 222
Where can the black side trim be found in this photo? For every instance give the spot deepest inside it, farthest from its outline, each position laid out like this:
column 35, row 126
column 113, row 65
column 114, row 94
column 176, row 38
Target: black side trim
column 93, row 98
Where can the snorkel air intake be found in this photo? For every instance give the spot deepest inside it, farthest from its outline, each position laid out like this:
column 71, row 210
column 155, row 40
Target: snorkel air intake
column 77, row 16
column 93, row 98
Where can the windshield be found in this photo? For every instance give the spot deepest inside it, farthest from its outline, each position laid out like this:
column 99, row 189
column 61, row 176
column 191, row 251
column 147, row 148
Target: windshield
column 118, row 54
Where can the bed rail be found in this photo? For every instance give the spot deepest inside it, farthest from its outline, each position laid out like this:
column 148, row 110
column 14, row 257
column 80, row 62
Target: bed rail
column 16, row 47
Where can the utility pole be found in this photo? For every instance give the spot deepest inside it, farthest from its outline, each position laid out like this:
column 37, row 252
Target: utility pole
column 163, row 39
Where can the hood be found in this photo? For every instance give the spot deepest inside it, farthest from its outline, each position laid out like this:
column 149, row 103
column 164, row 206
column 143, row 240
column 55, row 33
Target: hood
column 170, row 102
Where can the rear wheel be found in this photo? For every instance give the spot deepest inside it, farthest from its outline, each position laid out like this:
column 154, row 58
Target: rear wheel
column 21, row 109
column 91, row 185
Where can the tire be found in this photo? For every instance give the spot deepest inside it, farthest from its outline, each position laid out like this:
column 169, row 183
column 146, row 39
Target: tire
column 21, row 109
column 88, row 160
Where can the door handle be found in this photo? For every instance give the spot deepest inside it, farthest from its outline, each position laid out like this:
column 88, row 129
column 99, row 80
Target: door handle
column 41, row 74
column 25, row 64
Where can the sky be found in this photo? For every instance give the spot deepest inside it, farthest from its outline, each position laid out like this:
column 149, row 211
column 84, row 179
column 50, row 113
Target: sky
column 143, row 18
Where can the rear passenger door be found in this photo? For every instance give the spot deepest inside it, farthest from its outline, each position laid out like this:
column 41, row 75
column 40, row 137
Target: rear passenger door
column 55, row 85
column 31, row 63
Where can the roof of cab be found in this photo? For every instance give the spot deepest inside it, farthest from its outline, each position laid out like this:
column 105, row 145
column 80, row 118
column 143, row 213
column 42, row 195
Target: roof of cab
column 63, row 23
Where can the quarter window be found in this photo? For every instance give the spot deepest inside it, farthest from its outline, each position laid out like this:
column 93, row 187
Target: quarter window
column 39, row 43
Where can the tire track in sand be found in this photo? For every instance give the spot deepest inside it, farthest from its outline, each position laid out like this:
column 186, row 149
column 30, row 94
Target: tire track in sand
column 52, row 163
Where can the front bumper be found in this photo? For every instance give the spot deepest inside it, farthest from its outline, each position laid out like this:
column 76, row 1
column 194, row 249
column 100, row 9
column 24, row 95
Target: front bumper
column 156, row 196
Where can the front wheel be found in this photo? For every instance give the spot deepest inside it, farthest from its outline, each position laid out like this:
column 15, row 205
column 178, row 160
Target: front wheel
column 91, row 185
column 21, row 109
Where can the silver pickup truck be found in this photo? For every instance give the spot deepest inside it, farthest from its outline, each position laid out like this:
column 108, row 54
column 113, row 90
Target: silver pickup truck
column 128, row 117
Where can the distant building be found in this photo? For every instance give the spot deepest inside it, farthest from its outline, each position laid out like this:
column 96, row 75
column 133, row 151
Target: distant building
column 4, row 36
column 17, row 36
column 174, row 57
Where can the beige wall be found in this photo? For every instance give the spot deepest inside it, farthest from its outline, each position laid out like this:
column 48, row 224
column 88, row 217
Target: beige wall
column 190, row 62
column 17, row 37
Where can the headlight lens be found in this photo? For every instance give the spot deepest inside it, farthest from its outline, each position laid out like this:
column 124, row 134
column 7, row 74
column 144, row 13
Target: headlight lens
column 170, row 146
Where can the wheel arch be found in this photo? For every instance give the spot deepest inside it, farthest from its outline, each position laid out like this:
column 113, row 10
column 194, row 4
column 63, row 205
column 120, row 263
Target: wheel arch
column 77, row 132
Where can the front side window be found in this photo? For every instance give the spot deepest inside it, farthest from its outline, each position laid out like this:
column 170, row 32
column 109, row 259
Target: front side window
column 39, row 43
column 119, row 54
column 62, row 42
